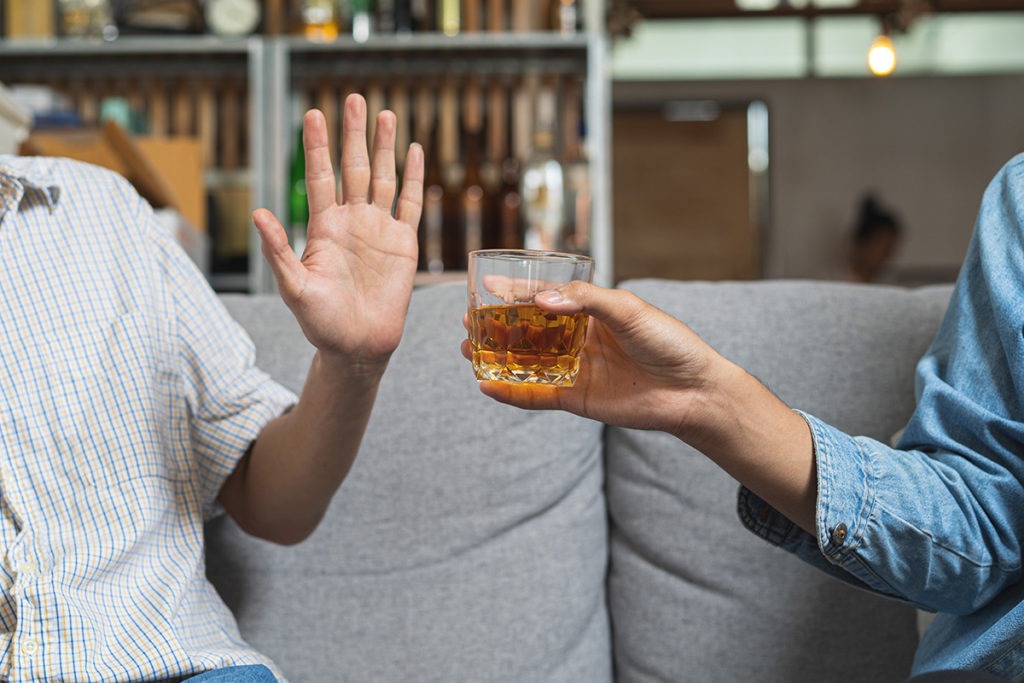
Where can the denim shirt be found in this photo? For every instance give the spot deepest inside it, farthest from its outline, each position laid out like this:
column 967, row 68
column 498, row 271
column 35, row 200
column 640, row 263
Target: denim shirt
column 938, row 521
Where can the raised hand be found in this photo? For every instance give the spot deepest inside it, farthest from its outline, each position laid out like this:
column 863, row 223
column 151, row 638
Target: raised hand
column 350, row 290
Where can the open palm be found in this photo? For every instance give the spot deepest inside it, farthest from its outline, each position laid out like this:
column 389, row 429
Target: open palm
column 350, row 290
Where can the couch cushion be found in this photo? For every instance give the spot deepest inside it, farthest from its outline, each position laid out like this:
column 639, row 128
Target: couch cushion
column 469, row 542
column 692, row 594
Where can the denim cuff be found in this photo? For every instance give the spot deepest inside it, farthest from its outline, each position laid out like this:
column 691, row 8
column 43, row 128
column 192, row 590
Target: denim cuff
column 843, row 507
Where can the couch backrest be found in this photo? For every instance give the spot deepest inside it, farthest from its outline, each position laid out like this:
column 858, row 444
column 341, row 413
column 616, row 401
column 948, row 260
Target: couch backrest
column 469, row 542
column 693, row 596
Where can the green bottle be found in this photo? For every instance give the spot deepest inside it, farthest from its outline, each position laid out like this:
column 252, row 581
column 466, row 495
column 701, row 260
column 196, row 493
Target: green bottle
column 298, row 203
column 362, row 22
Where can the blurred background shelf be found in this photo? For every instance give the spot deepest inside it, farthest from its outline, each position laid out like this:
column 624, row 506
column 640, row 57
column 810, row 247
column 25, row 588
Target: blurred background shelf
column 241, row 97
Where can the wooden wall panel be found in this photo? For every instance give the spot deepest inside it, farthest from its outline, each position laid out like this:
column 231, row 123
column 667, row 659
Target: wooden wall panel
column 681, row 197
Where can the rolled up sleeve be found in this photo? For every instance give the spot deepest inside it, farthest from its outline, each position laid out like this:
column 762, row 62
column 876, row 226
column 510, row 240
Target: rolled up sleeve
column 936, row 520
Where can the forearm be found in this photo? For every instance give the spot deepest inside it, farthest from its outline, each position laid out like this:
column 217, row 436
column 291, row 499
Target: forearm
column 755, row 437
column 281, row 489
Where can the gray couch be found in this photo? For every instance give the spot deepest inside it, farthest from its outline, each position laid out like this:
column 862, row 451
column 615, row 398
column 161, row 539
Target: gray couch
column 476, row 542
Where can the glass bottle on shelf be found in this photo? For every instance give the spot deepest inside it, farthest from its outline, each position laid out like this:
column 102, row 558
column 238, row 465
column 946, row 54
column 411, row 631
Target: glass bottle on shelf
column 386, row 12
column 473, row 211
column 473, row 199
column 87, row 19
column 497, row 16
column 452, row 172
column 525, row 15
column 510, row 206
column 362, row 22
column 319, row 20
column 577, row 171
column 566, row 17
column 542, row 185
column 449, row 16
column 422, row 15
column 404, row 17
column 298, row 202
column 432, row 222
column 472, row 16
column 496, row 152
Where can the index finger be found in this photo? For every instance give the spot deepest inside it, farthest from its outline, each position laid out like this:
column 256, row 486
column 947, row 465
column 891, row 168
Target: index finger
column 618, row 309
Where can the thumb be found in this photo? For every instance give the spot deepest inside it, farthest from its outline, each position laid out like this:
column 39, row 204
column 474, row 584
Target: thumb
column 616, row 308
column 287, row 269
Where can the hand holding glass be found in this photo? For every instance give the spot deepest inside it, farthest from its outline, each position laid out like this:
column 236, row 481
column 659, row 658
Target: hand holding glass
column 513, row 340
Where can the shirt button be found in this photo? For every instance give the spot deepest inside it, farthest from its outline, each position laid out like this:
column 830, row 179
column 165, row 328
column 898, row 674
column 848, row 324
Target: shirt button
column 28, row 567
column 29, row 646
column 838, row 536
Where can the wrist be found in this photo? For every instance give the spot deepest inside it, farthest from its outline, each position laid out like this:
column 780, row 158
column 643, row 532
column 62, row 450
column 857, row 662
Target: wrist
column 715, row 405
column 346, row 370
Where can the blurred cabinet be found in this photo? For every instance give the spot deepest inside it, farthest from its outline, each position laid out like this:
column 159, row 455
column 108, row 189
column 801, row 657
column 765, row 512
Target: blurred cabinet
column 242, row 99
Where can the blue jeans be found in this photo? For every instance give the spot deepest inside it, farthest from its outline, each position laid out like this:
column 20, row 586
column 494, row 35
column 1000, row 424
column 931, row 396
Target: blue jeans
column 252, row 673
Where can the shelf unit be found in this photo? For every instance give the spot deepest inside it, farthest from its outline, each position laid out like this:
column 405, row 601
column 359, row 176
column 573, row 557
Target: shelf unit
column 271, row 66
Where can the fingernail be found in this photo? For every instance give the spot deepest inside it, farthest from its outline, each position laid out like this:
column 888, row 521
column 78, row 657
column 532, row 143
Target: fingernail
column 552, row 296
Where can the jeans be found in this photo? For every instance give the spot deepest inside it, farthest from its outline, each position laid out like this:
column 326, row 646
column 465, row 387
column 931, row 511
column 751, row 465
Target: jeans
column 252, row 673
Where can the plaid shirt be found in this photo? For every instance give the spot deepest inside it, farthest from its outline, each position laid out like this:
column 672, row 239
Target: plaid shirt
column 127, row 396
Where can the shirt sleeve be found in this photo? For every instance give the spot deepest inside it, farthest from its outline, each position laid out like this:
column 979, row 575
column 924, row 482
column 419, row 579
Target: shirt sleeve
column 936, row 520
column 229, row 399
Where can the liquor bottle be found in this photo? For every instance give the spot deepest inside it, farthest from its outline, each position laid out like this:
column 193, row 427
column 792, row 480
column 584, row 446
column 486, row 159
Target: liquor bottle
column 449, row 16
column 497, row 20
column 472, row 16
column 362, row 22
column 453, row 238
column 525, row 15
column 542, row 184
column 376, row 98
column 387, row 15
column 319, row 20
column 577, row 172
column 422, row 15
column 509, row 203
column 432, row 222
column 432, row 218
column 404, row 18
column 398, row 100
column 491, row 165
column 274, row 20
column 520, row 99
column 566, row 17
column 82, row 19
column 474, row 200
column 298, row 202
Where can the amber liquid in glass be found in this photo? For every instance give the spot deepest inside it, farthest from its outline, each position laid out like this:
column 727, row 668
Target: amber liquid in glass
column 524, row 344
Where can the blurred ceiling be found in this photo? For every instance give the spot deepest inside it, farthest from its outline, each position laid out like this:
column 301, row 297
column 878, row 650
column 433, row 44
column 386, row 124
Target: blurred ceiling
column 696, row 9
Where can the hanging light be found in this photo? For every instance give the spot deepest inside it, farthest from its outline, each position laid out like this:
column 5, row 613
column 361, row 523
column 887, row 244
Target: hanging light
column 882, row 56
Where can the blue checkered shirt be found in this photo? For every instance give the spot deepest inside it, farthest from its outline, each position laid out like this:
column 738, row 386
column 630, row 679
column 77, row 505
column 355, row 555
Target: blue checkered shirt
column 127, row 396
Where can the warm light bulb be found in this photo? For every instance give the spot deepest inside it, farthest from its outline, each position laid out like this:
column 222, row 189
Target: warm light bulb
column 882, row 56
